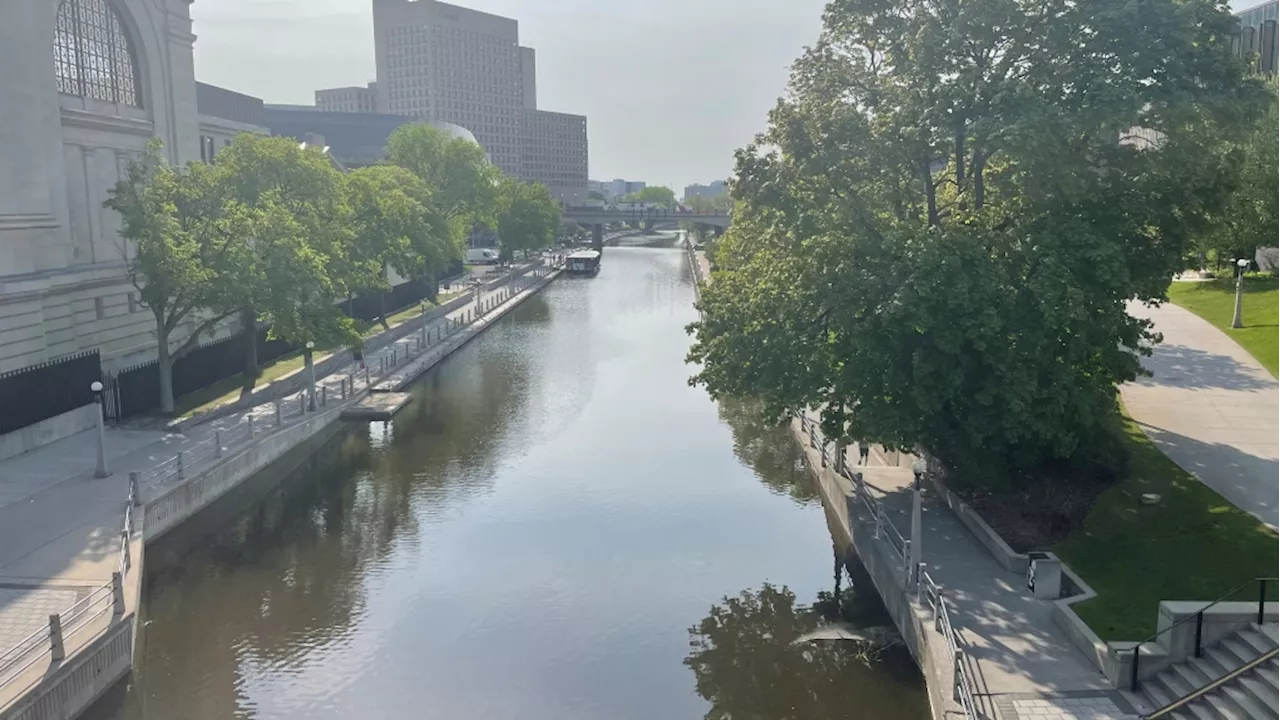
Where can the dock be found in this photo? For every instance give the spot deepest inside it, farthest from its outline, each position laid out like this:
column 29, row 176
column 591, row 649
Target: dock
column 377, row 406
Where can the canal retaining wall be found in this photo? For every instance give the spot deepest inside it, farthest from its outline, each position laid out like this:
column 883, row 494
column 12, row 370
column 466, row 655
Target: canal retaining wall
column 929, row 649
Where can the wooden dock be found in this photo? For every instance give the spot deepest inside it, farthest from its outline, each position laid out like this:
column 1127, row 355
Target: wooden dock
column 377, row 406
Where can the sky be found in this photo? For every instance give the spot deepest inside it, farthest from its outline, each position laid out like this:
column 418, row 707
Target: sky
column 670, row 88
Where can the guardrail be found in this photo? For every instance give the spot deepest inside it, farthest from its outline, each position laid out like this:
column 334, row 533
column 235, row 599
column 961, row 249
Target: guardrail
column 928, row 592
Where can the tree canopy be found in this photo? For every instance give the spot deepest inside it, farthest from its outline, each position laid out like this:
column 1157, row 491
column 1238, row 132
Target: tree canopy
column 657, row 194
column 528, row 217
column 935, row 239
column 463, row 182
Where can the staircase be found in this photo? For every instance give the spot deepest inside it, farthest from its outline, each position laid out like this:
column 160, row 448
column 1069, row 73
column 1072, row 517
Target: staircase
column 1250, row 696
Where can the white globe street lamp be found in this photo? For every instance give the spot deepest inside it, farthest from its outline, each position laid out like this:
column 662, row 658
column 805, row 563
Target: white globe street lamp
column 1242, row 264
column 918, row 469
column 101, row 470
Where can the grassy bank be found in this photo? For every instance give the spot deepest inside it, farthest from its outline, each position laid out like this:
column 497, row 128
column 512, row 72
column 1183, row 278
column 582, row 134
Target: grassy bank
column 1192, row 545
column 1214, row 301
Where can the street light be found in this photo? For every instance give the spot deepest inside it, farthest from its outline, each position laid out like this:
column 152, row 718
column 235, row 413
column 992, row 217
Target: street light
column 311, row 377
column 917, row 468
column 101, row 470
column 1237, row 321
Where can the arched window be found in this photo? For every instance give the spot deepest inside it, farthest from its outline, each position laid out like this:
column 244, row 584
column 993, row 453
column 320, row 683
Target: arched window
column 92, row 54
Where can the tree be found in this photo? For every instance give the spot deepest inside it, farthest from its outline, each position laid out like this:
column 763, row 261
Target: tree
column 303, row 258
column 571, row 231
column 186, row 249
column 597, row 196
column 463, row 184
column 663, row 196
column 935, row 238
column 528, row 217
column 396, row 226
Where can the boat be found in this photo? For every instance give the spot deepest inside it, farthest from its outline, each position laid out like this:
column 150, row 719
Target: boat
column 583, row 262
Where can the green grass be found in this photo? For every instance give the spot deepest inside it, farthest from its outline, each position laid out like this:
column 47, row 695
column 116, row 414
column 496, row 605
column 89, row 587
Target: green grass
column 1192, row 545
column 1214, row 301
column 225, row 392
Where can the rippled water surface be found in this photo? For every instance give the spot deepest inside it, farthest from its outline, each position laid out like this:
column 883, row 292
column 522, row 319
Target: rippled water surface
column 557, row 527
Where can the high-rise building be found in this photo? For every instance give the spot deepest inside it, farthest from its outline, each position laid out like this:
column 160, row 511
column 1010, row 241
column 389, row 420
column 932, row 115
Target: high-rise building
column 554, row 153
column 615, row 188
column 441, row 62
column 354, row 99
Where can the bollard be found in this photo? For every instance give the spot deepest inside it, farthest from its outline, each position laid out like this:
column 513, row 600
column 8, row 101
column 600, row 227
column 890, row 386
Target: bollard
column 279, row 420
column 117, row 594
column 182, row 470
column 302, row 403
column 342, row 389
column 324, row 395
column 251, row 430
column 133, row 488
column 217, row 443
column 366, row 379
column 55, row 637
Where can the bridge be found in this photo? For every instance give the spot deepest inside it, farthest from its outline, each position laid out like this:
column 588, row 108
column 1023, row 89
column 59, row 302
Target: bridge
column 597, row 217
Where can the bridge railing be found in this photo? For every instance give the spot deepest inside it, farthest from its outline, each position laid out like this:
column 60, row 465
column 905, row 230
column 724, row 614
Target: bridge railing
column 928, row 593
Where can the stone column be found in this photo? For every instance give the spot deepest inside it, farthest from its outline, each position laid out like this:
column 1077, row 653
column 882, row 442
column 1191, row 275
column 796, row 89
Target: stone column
column 32, row 188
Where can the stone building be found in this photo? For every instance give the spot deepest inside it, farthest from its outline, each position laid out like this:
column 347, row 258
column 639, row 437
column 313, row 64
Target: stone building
column 354, row 99
column 85, row 85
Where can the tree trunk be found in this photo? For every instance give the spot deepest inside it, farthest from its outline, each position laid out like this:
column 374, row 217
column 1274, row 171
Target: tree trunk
column 930, row 193
column 164, row 363
column 959, row 155
column 979, row 192
column 249, row 331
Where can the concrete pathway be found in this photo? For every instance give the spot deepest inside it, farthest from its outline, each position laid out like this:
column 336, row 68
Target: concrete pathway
column 1023, row 665
column 60, row 527
column 1211, row 408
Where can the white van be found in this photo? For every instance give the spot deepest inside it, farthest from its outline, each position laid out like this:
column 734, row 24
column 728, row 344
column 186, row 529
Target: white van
column 482, row 256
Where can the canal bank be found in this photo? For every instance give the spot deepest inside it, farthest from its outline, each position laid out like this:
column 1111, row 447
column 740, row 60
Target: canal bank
column 556, row 526
column 54, row 669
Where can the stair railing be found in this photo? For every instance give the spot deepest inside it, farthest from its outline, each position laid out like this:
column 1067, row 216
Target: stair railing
column 1199, row 620
column 1195, row 694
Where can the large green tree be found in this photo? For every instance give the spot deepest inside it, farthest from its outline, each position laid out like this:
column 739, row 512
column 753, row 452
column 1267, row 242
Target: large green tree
column 528, row 217
column 463, row 184
column 183, row 248
column 935, row 238
column 303, row 259
column 396, row 226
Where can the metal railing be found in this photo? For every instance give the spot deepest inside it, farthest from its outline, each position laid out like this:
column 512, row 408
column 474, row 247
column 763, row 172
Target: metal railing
column 1134, row 681
column 928, row 592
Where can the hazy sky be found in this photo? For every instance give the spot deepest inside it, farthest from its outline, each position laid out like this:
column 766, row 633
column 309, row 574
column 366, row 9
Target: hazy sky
column 669, row 87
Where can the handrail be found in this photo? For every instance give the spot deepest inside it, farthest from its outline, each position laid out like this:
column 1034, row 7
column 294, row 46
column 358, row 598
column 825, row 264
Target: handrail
column 1199, row 618
column 1195, row 694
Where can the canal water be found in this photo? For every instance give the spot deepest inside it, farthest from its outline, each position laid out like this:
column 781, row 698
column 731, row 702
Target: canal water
column 557, row 527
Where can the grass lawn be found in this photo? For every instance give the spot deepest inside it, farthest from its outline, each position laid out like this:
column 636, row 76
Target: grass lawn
column 1214, row 301
column 1192, row 545
column 227, row 391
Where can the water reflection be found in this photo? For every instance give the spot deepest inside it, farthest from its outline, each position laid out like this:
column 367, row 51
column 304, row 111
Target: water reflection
column 531, row 538
column 767, row 449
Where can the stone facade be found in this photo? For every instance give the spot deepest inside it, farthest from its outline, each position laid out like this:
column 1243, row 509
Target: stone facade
column 68, row 128
column 353, row 99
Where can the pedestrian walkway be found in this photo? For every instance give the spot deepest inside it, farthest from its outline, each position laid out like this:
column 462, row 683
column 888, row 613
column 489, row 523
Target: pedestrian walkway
column 60, row 526
column 1022, row 665
column 1211, row 408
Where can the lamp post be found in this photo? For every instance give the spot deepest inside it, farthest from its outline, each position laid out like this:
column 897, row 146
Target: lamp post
column 1236, row 320
column 423, row 306
column 101, row 470
column 913, row 567
column 311, row 377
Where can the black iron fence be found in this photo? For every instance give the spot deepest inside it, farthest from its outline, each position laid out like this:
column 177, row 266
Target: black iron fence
column 38, row 392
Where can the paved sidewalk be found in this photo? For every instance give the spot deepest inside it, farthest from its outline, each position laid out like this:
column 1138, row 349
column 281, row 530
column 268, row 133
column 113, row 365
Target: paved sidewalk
column 60, row 526
column 1211, row 408
column 1023, row 665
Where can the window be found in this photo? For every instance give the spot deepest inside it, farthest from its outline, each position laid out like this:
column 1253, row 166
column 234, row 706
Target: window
column 92, row 55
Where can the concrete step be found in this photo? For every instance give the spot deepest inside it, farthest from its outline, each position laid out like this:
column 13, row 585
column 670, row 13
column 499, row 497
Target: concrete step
column 1262, row 692
column 1157, row 693
column 1269, row 673
column 1193, row 674
column 1221, row 707
column 1257, row 641
column 1271, row 631
column 1224, row 661
column 1173, row 685
column 1243, row 652
column 1251, row 707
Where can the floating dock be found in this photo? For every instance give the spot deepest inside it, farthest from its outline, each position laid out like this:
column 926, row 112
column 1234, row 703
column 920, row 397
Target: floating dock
column 377, row 406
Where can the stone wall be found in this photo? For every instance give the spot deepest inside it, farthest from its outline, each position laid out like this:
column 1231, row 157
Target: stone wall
column 46, row 431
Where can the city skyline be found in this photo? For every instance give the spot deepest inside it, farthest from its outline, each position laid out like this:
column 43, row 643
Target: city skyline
column 666, row 97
